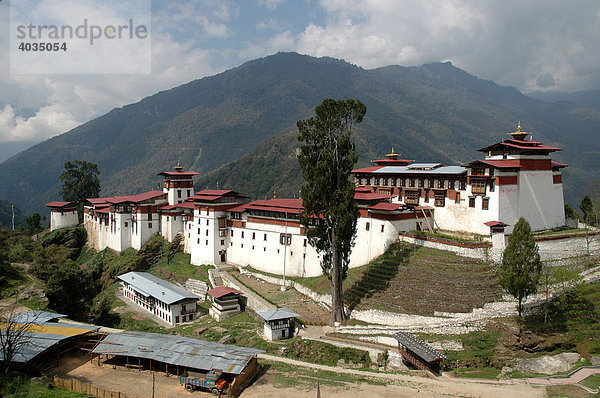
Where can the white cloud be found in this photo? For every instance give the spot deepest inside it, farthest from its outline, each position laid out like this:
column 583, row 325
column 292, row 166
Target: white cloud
column 513, row 43
column 271, row 4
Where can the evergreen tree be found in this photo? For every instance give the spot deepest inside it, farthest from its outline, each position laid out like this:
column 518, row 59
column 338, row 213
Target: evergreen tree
column 521, row 264
column 80, row 181
column 326, row 157
column 587, row 209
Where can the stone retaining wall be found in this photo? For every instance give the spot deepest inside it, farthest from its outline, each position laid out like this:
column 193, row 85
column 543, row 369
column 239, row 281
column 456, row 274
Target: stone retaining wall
column 254, row 301
column 319, row 298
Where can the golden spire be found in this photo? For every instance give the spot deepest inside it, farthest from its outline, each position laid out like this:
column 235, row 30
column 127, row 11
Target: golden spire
column 178, row 167
column 217, row 185
column 392, row 155
column 274, row 194
column 519, row 134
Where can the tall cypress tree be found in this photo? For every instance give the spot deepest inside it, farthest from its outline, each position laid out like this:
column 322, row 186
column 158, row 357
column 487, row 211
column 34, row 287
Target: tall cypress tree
column 327, row 156
column 521, row 264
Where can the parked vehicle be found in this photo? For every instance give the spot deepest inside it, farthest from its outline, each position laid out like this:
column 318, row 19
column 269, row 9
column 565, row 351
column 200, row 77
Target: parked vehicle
column 211, row 381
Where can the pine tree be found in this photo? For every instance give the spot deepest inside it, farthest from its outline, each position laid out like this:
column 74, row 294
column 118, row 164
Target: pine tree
column 80, row 181
column 327, row 157
column 521, row 264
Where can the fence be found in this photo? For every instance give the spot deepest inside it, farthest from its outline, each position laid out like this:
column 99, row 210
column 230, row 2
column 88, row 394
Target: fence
column 78, row 386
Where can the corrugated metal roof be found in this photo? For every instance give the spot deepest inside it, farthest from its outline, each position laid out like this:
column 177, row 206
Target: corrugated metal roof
column 37, row 317
column 277, row 313
column 40, row 336
column 178, row 350
column 406, row 170
column 419, row 347
column 150, row 285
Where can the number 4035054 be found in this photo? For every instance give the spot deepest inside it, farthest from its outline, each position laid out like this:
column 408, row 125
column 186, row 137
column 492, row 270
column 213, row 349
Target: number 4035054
column 43, row 46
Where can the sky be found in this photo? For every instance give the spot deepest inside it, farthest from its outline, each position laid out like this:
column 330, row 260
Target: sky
column 531, row 45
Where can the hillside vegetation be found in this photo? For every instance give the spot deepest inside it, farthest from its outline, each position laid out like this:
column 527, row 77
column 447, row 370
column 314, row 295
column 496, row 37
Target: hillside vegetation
column 433, row 112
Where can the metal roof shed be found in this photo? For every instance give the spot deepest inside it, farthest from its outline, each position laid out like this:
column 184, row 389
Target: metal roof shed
column 151, row 286
column 178, row 350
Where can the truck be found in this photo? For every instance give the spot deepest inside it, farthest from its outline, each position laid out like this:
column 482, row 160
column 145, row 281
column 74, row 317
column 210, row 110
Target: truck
column 211, row 381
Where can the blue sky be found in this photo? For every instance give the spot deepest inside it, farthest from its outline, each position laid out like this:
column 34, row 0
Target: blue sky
column 531, row 45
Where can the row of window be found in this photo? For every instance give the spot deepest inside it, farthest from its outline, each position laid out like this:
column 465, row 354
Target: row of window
column 485, row 202
column 412, row 182
column 368, row 226
column 265, row 249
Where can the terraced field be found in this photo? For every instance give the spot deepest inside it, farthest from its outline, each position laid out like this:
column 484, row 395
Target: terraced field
column 421, row 281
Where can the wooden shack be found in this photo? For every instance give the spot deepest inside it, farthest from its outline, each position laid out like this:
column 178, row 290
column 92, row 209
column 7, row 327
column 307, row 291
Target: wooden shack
column 418, row 353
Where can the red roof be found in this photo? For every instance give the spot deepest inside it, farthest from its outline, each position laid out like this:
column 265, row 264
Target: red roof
column 239, row 209
column 495, row 224
column 500, row 163
column 370, row 196
column 59, row 204
column 103, row 210
column 558, row 164
column 215, row 192
column 221, row 291
column 393, row 162
column 96, row 201
column 135, row 198
column 179, row 173
column 521, row 144
column 386, row 206
column 363, row 189
column 367, row 169
column 140, row 197
column 293, row 206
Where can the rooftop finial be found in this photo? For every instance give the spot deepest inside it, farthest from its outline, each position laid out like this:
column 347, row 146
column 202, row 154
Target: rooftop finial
column 178, row 167
column 519, row 134
column 393, row 155
column 217, row 185
column 274, row 194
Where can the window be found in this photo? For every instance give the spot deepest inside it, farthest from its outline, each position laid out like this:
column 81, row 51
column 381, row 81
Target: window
column 440, row 198
column 178, row 193
column 188, row 192
column 126, row 224
column 382, row 226
column 421, row 183
column 265, row 238
column 305, row 240
column 426, row 196
column 176, row 319
column 472, row 201
column 478, row 186
column 485, row 204
column 206, row 243
column 285, row 239
column 367, row 226
column 412, row 182
column 492, row 185
column 198, row 231
column 231, row 233
column 207, row 223
column 149, row 225
column 411, row 197
column 462, row 185
column 253, row 235
column 167, row 218
column 242, row 234
column 198, row 240
column 222, row 242
column 207, row 232
column 457, row 198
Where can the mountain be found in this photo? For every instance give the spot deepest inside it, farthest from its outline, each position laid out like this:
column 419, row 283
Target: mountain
column 589, row 98
column 245, row 117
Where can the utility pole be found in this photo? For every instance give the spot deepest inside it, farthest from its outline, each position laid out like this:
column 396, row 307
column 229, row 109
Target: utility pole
column 285, row 241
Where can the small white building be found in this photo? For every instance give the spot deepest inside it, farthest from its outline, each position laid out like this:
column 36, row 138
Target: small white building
column 280, row 323
column 62, row 215
column 171, row 303
column 225, row 302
